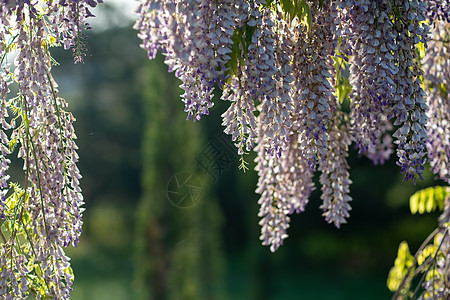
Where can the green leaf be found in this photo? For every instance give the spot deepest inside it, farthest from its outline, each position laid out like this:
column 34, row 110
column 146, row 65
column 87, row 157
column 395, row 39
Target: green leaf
column 248, row 34
column 287, row 7
column 242, row 38
column 402, row 264
column 306, row 17
column 430, row 204
column 414, row 203
column 26, row 217
column 428, row 251
column 269, row 3
column 421, row 49
column 343, row 87
column 243, row 165
column 69, row 271
column 12, row 144
column 232, row 63
column 429, row 199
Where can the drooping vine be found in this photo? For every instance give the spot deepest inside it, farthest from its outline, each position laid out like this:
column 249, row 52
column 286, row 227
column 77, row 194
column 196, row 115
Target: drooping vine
column 279, row 75
column 43, row 215
column 275, row 61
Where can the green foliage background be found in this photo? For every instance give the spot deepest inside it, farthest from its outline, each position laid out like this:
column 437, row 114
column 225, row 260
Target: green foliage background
column 133, row 138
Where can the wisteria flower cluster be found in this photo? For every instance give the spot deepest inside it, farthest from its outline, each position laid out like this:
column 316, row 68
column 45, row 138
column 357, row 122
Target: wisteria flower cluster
column 42, row 217
column 436, row 65
column 281, row 66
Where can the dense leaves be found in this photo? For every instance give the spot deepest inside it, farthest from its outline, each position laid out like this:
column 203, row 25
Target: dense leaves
column 432, row 261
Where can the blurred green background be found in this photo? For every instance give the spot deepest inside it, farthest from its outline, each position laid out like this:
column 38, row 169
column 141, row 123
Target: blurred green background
column 140, row 242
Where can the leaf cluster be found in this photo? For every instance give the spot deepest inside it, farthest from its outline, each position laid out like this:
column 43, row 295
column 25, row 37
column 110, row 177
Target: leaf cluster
column 429, row 199
column 425, row 262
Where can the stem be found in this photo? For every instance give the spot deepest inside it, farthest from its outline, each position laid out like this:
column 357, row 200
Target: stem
column 3, row 237
column 422, row 266
column 441, row 40
column 9, row 45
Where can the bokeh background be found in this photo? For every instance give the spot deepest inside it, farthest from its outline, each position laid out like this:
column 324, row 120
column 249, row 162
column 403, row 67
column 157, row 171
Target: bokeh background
column 143, row 240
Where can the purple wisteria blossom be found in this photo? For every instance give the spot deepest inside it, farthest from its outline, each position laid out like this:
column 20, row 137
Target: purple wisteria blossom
column 243, row 89
column 285, row 180
column 312, row 90
column 285, row 184
column 4, row 141
column 335, row 177
column 436, row 66
column 409, row 104
column 276, row 103
column 254, row 64
column 195, row 37
column 239, row 119
column 280, row 66
column 372, row 69
column 380, row 152
column 47, row 210
column 68, row 21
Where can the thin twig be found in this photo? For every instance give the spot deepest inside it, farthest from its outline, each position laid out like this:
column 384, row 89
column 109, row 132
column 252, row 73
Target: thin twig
column 442, row 41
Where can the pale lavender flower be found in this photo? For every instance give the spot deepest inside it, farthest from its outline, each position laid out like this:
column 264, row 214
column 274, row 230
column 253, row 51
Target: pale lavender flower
column 254, row 82
column 46, row 144
column 12, row 277
column 4, row 141
column 335, row 178
column 312, row 92
column 381, row 151
column 275, row 92
column 195, row 36
column 436, row 64
column 285, row 184
column 68, row 22
column 256, row 73
column 409, row 105
column 151, row 26
column 286, row 70
column 372, row 70
column 239, row 119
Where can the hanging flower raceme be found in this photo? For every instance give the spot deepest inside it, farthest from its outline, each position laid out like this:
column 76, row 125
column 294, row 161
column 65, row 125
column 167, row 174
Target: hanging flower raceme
column 239, row 119
column 335, row 177
column 312, row 91
column 195, row 37
column 46, row 212
column 409, row 104
column 285, row 184
column 284, row 72
column 436, row 66
column 372, row 69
